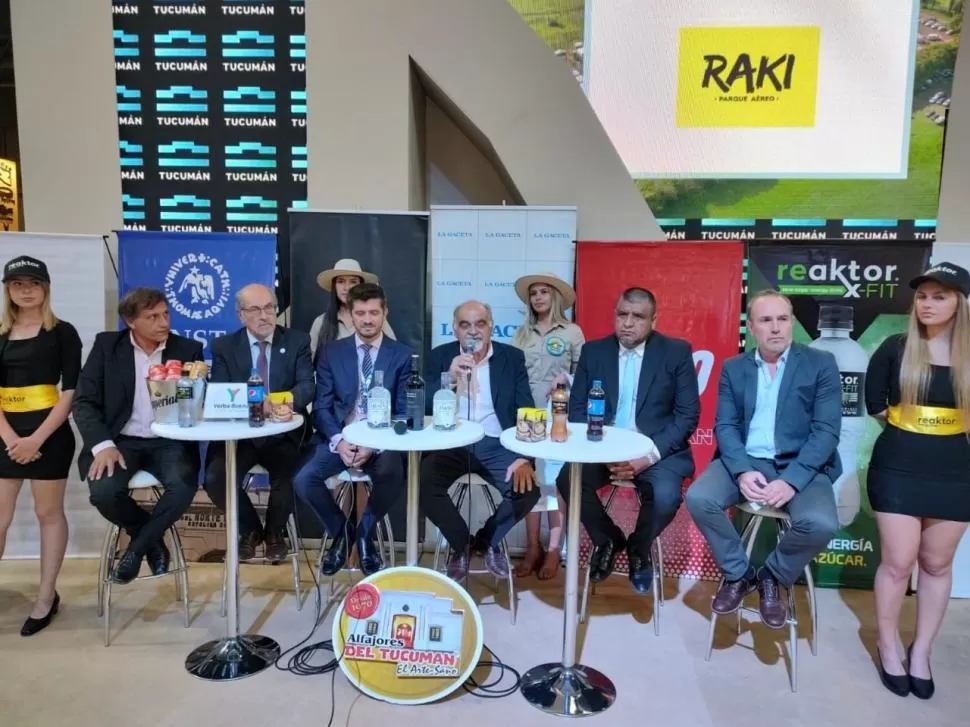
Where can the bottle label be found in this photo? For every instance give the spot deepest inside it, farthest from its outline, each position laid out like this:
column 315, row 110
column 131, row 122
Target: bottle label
column 853, row 386
column 445, row 414
column 560, row 407
column 596, row 408
column 377, row 411
column 183, row 392
column 255, row 394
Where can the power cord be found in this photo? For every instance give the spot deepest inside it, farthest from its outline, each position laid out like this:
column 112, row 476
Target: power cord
column 489, row 689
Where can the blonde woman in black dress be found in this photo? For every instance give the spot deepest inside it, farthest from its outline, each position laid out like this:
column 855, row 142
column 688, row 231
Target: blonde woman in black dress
column 37, row 351
column 919, row 474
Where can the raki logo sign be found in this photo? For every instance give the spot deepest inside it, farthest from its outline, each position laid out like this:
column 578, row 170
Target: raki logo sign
column 747, row 76
column 835, row 278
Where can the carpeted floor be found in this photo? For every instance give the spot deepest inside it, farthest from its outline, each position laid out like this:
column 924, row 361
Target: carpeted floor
column 66, row 676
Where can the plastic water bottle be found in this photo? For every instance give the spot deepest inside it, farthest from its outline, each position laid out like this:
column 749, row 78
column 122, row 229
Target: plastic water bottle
column 595, row 412
column 835, row 323
column 183, row 397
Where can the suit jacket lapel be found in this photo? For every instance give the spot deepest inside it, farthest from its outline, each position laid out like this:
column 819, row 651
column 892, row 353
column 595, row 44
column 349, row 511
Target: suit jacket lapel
column 787, row 378
column 244, row 355
column 351, row 369
column 278, row 362
column 126, row 369
column 611, row 378
column 652, row 360
column 496, row 370
column 750, row 388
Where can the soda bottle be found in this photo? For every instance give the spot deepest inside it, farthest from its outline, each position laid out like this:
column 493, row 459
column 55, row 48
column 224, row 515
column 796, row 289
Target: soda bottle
column 183, row 398
column 255, row 396
column 595, row 412
column 560, row 414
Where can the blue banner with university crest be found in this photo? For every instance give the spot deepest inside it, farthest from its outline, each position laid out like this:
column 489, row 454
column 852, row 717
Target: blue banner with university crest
column 200, row 274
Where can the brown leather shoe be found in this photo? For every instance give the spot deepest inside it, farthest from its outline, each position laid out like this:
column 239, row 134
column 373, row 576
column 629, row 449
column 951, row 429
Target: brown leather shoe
column 276, row 550
column 730, row 596
column 247, row 546
column 774, row 612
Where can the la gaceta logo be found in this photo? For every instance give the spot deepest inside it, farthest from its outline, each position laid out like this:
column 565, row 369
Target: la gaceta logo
column 197, row 286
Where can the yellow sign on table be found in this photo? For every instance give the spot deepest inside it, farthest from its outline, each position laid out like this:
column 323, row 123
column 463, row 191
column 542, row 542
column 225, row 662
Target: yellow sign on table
column 9, row 202
column 408, row 635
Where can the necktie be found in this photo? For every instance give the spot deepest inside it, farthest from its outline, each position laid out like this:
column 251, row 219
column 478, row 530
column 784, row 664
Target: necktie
column 366, row 374
column 624, row 409
column 262, row 363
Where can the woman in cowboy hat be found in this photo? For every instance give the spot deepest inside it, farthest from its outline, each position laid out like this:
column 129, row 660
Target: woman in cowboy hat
column 336, row 322
column 551, row 345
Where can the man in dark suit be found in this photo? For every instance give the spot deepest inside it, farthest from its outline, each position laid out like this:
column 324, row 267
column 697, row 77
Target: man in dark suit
column 651, row 387
column 493, row 384
column 282, row 358
column 345, row 374
column 113, row 413
column 779, row 416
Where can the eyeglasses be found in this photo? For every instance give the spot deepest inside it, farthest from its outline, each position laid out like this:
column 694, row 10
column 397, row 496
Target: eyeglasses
column 255, row 310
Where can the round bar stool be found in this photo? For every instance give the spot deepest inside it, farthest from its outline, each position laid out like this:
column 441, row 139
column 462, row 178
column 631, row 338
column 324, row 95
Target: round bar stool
column 748, row 538
column 345, row 495
column 178, row 568
column 293, row 552
column 657, row 553
column 460, row 490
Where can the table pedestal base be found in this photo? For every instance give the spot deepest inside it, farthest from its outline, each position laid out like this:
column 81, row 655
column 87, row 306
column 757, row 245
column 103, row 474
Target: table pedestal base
column 227, row 659
column 575, row 691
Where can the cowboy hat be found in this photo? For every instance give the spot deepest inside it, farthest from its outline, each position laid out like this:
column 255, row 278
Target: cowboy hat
column 347, row 266
column 523, row 284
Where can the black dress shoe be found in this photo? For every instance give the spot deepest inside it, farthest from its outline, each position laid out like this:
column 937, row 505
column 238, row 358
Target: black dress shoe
column 336, row 556
column 158, row 559
column 275, row 548
column 641, row 570
column 479, row 544
column 921, row 688
column 248, row 542
column 898, row 684
column 127, row 568
column 602, row 560
column 33, row 625
column 368, row 554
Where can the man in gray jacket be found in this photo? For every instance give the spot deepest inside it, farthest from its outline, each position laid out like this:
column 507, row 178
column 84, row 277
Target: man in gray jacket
column 779, row 414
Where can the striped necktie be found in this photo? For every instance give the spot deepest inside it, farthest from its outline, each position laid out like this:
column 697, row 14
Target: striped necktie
column 366, row 375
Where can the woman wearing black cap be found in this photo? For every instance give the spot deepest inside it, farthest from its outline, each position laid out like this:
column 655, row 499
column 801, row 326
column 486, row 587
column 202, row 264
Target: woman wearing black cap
column 37, row 351
column 919, row 474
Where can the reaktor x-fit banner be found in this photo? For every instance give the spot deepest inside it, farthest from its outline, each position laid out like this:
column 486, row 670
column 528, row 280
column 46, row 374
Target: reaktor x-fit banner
column 211, row 113
column 847, row 299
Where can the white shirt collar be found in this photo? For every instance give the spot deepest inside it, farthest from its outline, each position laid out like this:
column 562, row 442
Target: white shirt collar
column 781, row 359
column 375, row 344
column 636, row 351
column 253, row 340
column 160, row 347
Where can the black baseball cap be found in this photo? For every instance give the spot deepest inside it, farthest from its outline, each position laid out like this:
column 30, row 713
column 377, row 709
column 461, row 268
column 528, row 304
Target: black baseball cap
column 26, row 267
column 949, row 274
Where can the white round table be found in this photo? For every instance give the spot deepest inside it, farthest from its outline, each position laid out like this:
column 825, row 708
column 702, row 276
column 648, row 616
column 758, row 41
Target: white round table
column 414, row 443
column 237, row 655
column 568, row 688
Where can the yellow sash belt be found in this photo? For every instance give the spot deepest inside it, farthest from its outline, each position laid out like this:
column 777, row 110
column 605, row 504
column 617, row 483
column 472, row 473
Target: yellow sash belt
column 20, row 399
column 934, row 420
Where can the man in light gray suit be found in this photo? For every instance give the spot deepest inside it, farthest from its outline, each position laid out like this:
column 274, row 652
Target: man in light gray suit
column 779, row 414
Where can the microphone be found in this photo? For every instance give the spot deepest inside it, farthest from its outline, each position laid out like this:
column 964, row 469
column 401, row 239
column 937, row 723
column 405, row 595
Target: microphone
column 469, row 346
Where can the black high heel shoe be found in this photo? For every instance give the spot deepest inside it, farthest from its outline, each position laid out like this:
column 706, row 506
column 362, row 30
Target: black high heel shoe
column 898, row 684
column 33, row 625
column 921, row 688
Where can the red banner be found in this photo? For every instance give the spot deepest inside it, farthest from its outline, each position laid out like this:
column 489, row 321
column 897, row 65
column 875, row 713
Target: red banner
column 698, row 286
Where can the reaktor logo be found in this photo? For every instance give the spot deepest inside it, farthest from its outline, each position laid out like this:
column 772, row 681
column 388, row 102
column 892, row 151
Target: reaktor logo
column 838, row 278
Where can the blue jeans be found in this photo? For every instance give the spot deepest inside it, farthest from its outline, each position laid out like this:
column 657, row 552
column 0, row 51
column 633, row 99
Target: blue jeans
column 386, row 472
